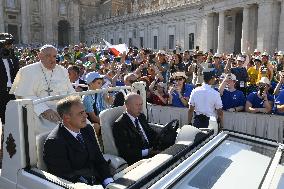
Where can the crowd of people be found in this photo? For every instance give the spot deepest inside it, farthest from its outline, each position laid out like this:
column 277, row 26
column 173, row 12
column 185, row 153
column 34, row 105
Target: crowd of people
column 243, row 81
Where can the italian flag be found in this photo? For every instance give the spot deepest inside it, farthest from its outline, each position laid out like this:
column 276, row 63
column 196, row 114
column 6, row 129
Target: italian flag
column 116, row 49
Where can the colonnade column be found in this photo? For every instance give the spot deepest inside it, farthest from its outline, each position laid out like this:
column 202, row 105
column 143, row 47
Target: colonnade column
column 2, row 26
column 281, row 28
column 48, row 27
column 76, row 17
column 209, row 28
column 245, row 30
column 25, row 21
column 221, row 32
column 264, row 29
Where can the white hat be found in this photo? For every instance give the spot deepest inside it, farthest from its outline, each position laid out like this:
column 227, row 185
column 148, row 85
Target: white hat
column 240, row 58
column 264, row 53
column 161, row 52
column 264, row 80
column 90, row 54
column 280, row 53
column 179, row 74
column 230, row 76
column 161, row 84
column 256, row 51
column 257, row 58
column 217, row 55
column 78, row 62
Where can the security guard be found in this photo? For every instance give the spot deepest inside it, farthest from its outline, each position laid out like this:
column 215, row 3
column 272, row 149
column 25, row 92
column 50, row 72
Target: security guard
column 9, row 66
column 205, row 102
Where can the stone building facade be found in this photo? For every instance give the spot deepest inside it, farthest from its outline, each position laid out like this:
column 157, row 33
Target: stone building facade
column 46, row 21
column 217, row 25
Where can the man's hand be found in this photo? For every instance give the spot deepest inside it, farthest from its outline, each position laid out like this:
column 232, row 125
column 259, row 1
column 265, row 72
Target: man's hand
column 153, row 152
column 78, row 89
column 171, row 90
column 51, row 115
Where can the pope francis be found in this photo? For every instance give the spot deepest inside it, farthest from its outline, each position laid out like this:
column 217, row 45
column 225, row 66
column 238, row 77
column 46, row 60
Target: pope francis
column 42, row 79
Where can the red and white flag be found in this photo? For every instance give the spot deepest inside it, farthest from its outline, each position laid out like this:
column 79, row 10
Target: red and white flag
column 116, row 49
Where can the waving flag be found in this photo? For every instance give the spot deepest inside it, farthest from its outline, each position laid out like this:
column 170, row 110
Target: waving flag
column 116, row 49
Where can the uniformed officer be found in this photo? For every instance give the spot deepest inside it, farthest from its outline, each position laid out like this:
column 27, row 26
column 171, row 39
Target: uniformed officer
column 205, row 102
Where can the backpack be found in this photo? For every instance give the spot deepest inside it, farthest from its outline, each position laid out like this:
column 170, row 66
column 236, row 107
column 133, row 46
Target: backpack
column 167, row 136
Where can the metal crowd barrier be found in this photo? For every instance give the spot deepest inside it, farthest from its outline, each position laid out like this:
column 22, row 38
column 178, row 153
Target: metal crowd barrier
column 261, row 125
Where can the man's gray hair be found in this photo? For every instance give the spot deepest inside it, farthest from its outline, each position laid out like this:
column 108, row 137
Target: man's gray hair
column 130, row 97
column 46, row 47
column 129, row 75
column 64, row 105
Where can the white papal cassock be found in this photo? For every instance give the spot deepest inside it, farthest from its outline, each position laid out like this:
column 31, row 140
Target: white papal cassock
column 33, row 82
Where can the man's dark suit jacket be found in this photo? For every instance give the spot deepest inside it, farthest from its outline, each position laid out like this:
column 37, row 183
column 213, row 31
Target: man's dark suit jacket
column 67, row 158
column 128, row 140
column 4, row 93
column 118, row 99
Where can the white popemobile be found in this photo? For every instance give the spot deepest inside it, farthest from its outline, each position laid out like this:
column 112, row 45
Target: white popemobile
column 198, row 159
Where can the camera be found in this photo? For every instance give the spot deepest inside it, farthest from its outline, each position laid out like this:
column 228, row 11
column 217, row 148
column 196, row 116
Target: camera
column 261, row 90
column 151, row 59
column 229, row 76
column 263, row 69
column 117, row 59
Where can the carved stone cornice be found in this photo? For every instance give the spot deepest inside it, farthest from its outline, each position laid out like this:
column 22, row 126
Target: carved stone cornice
column 160, row 12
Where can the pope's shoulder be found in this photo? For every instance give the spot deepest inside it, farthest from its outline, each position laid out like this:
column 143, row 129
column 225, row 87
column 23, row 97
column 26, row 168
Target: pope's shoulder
column 31, row 67
column 37, row 67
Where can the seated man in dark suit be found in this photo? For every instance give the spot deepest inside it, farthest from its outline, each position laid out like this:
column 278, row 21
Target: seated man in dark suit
column 132, row 134
column 71, row 150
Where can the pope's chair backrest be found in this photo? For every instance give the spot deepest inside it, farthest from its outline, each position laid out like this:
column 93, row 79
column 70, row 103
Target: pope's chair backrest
column 40, row 140
column 107, row 119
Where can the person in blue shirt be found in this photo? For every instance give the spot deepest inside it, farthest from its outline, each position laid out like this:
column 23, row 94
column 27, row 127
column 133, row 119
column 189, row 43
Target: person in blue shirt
column 233, row 100
column 179, row 91
column 95, row 103
column 260, row 101
column 279, row 87
column 241, row 74
column 217, row 64
column 279, row 104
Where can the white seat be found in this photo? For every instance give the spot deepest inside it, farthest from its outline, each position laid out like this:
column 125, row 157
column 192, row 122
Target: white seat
column 40, row 139
column 187, row 135
column 107, row 119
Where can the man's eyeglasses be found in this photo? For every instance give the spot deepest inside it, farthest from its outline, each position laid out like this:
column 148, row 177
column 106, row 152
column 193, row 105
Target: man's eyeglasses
column 179, row 79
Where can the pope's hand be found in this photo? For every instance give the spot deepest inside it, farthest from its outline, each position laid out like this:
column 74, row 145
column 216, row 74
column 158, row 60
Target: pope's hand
column 51, row 115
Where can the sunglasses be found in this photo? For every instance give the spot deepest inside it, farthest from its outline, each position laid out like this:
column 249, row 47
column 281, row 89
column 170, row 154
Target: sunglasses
column 179, row 79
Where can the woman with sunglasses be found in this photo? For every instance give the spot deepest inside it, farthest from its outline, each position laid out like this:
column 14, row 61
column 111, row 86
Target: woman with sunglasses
column 260, row 101
column 179, row 91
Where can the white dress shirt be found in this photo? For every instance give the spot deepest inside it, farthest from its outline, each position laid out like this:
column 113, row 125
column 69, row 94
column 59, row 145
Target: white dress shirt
column 205, row 100
column 73, row 133
column 30, row 83
column 7, row 67
column 145, row 152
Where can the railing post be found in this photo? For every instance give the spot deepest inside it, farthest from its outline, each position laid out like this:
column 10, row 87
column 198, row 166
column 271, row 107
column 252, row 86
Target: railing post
column 140, row 88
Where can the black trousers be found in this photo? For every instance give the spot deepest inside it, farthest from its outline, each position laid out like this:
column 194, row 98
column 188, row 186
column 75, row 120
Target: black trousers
column 5, row 97
column 201, row 121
